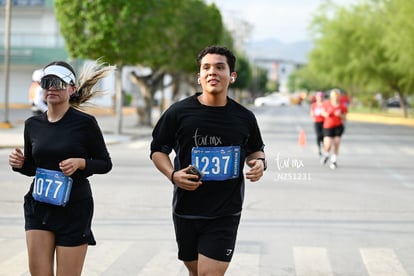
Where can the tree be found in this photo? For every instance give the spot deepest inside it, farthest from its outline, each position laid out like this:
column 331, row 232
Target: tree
column 351, row 50
column 305, row 78
column 160, row 34
column 244, row 76
column 259, row 81
column 120, row 32
column 244, row 73
column 398, row 39
column 193, row 27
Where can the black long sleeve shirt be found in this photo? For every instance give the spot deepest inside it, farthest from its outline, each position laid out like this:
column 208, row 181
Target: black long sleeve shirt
column 76, row 135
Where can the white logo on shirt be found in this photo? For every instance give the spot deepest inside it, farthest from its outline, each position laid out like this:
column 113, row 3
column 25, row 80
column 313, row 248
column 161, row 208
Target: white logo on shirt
column 206, row 140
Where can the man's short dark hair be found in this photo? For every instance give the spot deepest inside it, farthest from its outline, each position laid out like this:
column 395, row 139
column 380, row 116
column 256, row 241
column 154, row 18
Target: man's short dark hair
column 219, row 50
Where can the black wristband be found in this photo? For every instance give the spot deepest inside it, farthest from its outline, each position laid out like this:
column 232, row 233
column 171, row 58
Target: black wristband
column 264, row 163
column 172, row 177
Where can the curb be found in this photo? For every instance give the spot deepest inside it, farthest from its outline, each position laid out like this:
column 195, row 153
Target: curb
column 379, row 119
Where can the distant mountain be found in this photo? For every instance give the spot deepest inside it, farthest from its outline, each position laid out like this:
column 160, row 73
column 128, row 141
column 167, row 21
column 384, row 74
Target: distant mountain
column 275, row 49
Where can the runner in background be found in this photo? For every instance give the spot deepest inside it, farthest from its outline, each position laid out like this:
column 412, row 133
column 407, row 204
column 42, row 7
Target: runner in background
column 36, row 95
column 316, row 113
column 344, row 99
column 333, row 128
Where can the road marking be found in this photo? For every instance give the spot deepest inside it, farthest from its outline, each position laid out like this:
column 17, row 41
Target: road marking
column 103, row 255
column 312, row 261
column 15, row 265
column 163, row 263
column 362, row 151
column 308, row 261
column 401, row 179
column 406, row 150
column 244, row 264
column 382, row 262
column 397, row 176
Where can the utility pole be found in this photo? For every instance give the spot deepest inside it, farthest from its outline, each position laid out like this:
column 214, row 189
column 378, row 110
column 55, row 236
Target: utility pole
column 118, row 101
column 6, row 123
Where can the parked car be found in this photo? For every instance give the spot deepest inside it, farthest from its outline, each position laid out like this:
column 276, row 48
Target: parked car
column 274, row 99
column 395, row 102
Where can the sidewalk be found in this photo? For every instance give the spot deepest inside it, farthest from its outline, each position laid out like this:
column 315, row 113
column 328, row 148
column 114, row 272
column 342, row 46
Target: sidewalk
column 13, row 137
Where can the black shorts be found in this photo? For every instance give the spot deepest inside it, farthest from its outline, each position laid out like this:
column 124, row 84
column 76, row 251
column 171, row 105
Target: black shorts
column 213, row 238
column 334, row 132
column 70, row 224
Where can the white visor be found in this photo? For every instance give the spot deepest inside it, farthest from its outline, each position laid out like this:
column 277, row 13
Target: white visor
column 60, row 71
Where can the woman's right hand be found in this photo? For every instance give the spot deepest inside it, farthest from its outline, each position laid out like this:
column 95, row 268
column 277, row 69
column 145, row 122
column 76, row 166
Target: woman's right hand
column 16, row 158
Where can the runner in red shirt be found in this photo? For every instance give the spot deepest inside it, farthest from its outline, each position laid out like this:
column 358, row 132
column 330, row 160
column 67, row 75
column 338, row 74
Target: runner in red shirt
column 316, row 113
column 333, row 127
column 344, row 99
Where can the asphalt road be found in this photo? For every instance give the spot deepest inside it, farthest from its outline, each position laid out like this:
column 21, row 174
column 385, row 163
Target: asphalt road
column 301, row 219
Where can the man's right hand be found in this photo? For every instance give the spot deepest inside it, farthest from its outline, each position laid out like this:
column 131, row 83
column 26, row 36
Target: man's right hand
column 186, row 180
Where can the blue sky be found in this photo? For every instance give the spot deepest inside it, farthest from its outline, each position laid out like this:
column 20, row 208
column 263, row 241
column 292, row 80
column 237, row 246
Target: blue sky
column 285, row 20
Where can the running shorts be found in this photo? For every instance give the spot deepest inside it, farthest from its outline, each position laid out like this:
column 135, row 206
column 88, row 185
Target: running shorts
column 213, row 238
column 70, row 224
column 334, row 132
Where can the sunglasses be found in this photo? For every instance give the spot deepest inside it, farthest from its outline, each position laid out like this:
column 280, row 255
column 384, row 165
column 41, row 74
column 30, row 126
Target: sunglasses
column 57, row 83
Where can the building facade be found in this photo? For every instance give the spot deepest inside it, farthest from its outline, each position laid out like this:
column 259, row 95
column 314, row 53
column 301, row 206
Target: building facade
column 34, row 41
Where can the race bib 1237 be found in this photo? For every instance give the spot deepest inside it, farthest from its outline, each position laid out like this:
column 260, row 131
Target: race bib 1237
column 217, row 163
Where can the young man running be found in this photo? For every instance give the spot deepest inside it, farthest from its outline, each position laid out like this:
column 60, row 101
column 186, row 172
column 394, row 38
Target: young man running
column 215, row 134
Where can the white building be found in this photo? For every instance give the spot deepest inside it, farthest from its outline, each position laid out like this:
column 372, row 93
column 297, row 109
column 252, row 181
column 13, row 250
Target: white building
column 34, row 42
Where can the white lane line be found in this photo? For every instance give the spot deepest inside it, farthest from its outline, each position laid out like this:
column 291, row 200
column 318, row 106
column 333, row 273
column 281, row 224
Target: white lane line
column 163, row 263
column 100, row 257
column 396, row 176
column 15, row 265
column 244, row 264
column 312, row 261
column 382, row 262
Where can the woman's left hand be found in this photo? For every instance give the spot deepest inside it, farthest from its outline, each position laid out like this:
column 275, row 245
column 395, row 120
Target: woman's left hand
column 69, row 166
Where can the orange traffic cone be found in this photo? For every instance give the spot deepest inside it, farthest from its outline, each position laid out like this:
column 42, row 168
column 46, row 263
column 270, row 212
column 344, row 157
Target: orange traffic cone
column 302, row 138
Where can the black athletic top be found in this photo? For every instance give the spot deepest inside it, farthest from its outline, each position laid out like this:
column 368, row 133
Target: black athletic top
column 76, row 135
column 188, row 124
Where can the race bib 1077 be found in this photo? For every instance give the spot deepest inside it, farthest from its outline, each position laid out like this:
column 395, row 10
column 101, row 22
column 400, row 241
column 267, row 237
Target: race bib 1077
column 217, row 163
column 51, row 187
